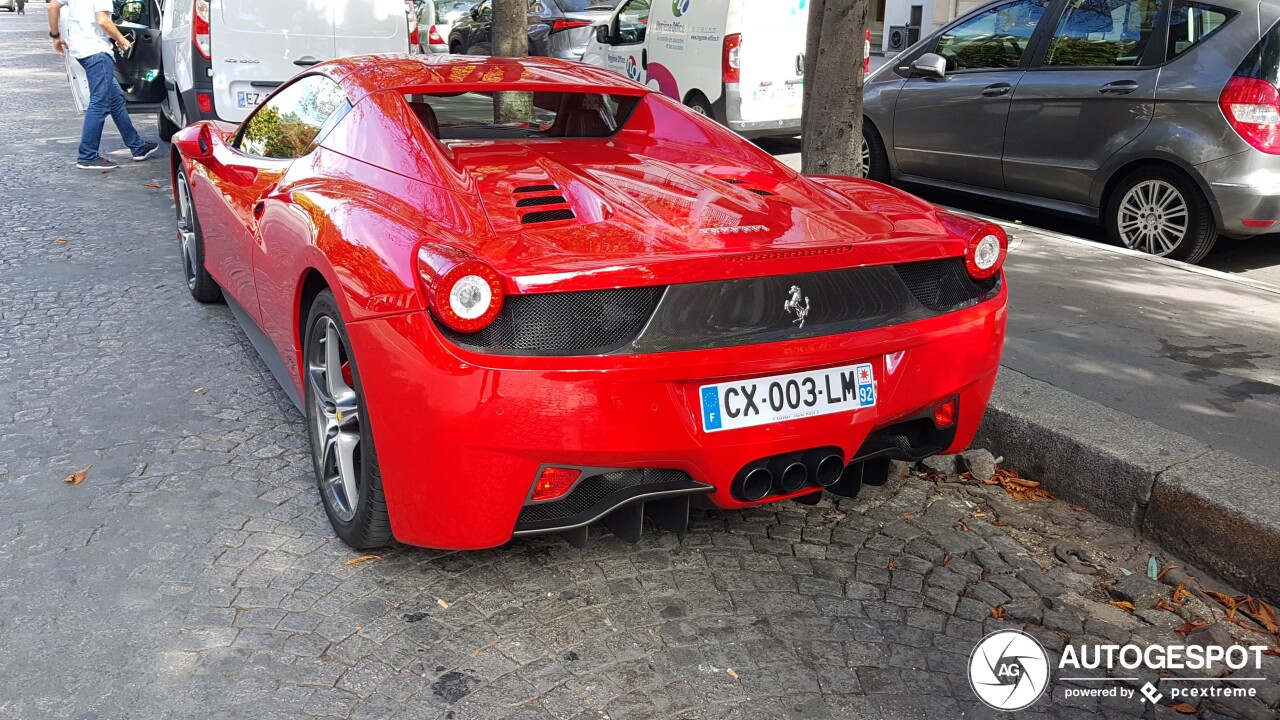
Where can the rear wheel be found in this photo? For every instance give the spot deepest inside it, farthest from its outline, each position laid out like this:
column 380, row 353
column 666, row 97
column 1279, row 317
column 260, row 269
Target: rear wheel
column 699, row 104
column 191, row 245
column 342, row 451
column 1160, row 211
column 167, row 126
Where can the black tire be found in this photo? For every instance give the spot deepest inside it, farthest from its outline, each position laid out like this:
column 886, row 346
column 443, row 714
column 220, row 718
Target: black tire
column 455, row 48
column 878, row 166
column 1199, row 232
column 369, row 525
column 167, row 127
column 191, row 245
column 698, row 103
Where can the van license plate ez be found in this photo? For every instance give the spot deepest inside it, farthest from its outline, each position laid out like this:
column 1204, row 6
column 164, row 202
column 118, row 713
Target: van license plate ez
column 248, row 99
column 745, row 403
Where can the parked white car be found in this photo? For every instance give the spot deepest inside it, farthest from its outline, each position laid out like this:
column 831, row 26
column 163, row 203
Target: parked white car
column 738, row 61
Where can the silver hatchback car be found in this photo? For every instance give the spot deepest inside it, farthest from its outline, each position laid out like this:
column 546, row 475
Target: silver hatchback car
column 1159, row 118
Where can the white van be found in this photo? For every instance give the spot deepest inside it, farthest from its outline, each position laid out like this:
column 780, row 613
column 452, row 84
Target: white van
column 220, row 58
column 738, row 61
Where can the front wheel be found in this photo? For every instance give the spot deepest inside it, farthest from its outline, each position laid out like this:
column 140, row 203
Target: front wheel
column 875, row 161
column 700, row 105
column 1160, row 211
column 342, row 451
column 201, row 285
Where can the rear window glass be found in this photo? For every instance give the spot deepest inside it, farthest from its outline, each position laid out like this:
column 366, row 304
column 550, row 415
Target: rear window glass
column 1192, row 22
column 1263, row 62
column 522, row 115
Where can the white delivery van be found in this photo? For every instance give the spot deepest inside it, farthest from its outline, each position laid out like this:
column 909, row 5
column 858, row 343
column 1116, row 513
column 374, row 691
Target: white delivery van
column 220, row 58
column 738, row 61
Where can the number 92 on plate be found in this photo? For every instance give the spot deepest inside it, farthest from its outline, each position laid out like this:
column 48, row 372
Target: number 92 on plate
column 778, row 398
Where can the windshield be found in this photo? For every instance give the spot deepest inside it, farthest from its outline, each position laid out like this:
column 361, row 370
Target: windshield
column 448, row 11
column 521, row 115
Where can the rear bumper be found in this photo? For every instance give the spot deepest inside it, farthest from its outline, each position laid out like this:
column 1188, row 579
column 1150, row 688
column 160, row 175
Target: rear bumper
column 461, row 437
column 1246, row 189
column 753, row 128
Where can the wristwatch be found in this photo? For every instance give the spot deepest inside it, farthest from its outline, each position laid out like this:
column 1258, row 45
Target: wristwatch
column 54, row 35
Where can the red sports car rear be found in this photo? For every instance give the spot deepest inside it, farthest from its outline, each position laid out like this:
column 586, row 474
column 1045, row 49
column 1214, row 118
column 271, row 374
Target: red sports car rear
column 521, row 297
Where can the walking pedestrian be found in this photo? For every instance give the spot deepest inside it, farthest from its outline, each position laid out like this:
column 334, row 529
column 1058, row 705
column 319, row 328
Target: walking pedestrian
column 90, row 33
column 22, row 7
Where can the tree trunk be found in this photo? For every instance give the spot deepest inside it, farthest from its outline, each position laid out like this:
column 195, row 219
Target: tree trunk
column 511, row 39
column 831, row 122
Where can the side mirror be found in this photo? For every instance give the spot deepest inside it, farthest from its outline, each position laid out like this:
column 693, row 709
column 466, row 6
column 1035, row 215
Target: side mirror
column 602, row 34
column 930, row 65
column 195, row 143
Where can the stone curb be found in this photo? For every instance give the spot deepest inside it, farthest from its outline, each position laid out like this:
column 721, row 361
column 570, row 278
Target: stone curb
column 1209, row 508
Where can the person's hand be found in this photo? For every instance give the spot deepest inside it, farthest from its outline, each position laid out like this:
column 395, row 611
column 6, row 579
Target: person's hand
column 60, row 46
column 124, row 44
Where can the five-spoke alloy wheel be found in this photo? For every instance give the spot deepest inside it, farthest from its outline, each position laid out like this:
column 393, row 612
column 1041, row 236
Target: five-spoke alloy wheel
column 191, row 244
column 341, row 444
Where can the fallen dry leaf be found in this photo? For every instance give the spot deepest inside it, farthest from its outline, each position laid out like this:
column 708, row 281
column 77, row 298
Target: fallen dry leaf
column 997, row 612
column 892, row 564
column 151, row 184
column 1181, row 594
column 1077, row 508
column 1272, row 651
column 62, row 241
column 946, row 559
column 1188, row 628
column 906, row 516
column 961, row 526
column 1020, row 488
column 77, row 477
column 1264, row 614
column 1165, row 571
column 443, row 605
column 363, row 558
column 1124, row 605
column 1230, row 602
column 1184, row 708
column 732, row 673
column 1162, row 605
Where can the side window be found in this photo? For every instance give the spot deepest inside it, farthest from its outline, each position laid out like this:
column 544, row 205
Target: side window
column 289, row 124
column 995, row 39
column 633, row 22
column 486, row 11
column 1103, row 33
column 1191, row 22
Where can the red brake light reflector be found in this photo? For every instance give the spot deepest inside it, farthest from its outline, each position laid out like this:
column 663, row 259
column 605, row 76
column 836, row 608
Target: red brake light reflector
column 1252, row 108
column 945, row 414
column 554, row 482
column 205, row 102
column 731, row 65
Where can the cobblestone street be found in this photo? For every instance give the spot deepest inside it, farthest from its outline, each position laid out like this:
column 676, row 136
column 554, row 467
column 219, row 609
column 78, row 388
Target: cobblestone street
column 193, row 573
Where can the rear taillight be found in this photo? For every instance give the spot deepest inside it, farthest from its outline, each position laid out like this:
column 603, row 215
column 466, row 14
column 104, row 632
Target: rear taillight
column 731, row 64
column 204, row 101
column 866, row 54
column 200, row 28
column 566, row 24
column 433, row 37
column 986, row 246
column 1252, row 108
column 467, row 297
column 413, row 39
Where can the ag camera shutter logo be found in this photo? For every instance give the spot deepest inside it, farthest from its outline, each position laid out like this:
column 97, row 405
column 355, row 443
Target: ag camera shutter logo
column 1009, row 670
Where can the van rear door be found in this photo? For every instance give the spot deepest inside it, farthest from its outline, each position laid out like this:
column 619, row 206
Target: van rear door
column 771, row 57
column 257, row 45
column 369, row 26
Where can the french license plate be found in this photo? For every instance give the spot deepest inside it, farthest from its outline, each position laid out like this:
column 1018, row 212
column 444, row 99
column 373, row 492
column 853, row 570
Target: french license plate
column 746, row 403
column 248, row 99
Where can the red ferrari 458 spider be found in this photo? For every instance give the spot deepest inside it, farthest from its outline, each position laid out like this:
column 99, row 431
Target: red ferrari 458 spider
column 516, row 297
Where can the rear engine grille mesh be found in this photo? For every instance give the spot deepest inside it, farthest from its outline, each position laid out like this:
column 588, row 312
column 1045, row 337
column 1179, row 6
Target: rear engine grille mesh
column 535, row 188
column 569, row 323
column 943, row 285
column 543, row 200
column 547, row 216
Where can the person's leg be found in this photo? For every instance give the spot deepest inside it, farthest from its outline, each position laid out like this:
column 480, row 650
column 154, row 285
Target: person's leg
column 97, row 69
column 120, row 111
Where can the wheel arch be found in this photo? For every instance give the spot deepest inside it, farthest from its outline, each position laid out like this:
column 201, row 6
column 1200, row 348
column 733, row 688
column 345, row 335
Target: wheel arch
column 1106, row 183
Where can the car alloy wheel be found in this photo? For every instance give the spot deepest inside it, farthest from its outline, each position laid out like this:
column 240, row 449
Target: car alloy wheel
column 866, row 158
column 1153, row 217
column 336, row 416
column 187, row 232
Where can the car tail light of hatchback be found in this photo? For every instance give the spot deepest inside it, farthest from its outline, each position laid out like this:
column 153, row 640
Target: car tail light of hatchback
column 731, row 63
column 433, row 36
column 466, row 298
column 200, row 28
column 1252, row 108
column 566, row 24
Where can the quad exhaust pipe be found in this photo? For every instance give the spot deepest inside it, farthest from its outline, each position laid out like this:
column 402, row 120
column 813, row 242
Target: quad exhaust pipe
column 787, row 473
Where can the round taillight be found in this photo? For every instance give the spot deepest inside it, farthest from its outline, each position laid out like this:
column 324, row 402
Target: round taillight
column 469, row 297
column 985, row 253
